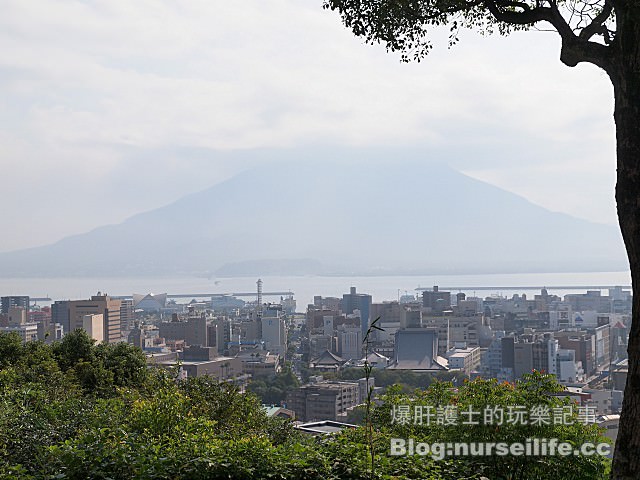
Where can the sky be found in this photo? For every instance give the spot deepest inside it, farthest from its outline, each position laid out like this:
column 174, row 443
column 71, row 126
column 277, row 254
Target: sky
column 112, row 107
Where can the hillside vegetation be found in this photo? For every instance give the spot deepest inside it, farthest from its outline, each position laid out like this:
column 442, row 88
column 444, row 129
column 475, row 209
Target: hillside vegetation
column 75, row 410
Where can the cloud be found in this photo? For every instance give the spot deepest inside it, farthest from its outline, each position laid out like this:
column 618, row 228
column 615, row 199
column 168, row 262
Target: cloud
column 93, row 92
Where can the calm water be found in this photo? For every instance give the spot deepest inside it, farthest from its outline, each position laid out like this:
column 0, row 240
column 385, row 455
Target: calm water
column 305, row 287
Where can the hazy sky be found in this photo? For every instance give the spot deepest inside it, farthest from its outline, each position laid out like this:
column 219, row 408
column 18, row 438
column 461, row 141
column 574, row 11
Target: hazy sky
column 112, row 107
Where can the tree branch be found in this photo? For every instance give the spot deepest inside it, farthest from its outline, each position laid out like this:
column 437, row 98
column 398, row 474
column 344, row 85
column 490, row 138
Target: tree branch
column 574, row 49
column 597, row 24
column 527, row 16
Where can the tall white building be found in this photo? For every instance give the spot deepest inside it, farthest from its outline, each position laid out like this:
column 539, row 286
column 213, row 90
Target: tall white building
column 94, row 326
column 274, row 334
column 350, row 342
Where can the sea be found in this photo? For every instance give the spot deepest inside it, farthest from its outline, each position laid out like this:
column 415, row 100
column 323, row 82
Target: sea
column 304, row 288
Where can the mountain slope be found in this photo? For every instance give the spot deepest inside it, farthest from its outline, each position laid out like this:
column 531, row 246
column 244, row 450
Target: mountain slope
column 335, row 218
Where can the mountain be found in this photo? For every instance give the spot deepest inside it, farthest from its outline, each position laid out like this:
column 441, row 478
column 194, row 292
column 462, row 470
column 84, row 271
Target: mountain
column 332, row 218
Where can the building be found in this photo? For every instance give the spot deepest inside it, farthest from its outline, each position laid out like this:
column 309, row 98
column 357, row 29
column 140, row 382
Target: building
column 8, row 302
column 27, row 331
column 602, row 343
column 530, row 352
column 279, row 412
column 605, row 401
column 568, row 369
column 454, row 329
column 375, row 360
column 582, row 343
column 319, row 343
column 436, row 301
column 417, row 349
column 592, row 300
column 219, row 334
column 42, row 315
column 274, row 332
column 463, row 358
column 545, row 353
column 136, row 337
column 389, row 314
column 410, row 317
column 316, row 318
column 467, row 307
column 150, row 302
column 60, row 314
column 611, row 425
column 326, row 303
column 17, row 316
column 325, row 427
column 323, row 401
column 361, row 302
column 619, row 335
column 522, row 358
column 127, row 316
column 197, row 361
column 619, row 372
column 93, row 324
column 193, row 330
column 327, row 362
column 496, row 362
column 349, row 342
column 259, row 363
column 49, row 332
column 98, row 304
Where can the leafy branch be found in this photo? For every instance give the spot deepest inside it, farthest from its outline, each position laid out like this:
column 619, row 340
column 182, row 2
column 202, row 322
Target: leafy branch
column 367, row 375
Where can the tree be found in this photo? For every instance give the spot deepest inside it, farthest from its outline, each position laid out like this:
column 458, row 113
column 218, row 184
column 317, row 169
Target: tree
column 605, row 33
column 533, row 395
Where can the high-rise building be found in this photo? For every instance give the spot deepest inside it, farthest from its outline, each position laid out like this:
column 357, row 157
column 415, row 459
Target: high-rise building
column 93, row 324
column 219, row 334
column 353, row 301
column 60, row 314
column 583, row 344
column 98, row 304
column 531, row 352
column 193, row 330
column 14, row 301
column 349, row 342
column 436, row 300
column 274, row 333
column 127, row 317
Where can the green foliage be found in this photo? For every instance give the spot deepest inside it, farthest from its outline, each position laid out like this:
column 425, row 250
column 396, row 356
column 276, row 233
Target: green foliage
column 405, row 25
column 98, row 412
column 273, row 390
column 102, row 368
column 407, row 379
column 535, row 390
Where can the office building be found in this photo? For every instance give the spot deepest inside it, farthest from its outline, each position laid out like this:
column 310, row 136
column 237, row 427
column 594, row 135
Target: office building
column 361, row 302
column 436, row 301
column 8, row 302
column 323, row 401
column 98, row 304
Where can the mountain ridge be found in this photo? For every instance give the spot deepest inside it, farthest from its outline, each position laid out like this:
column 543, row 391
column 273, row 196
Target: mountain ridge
column 317, row 218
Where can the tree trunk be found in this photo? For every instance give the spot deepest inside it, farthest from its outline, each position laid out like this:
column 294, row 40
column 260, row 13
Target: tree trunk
column 625, row 77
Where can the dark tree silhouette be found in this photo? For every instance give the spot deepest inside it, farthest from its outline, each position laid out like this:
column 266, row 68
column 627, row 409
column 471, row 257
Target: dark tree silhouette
column 605, row 33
